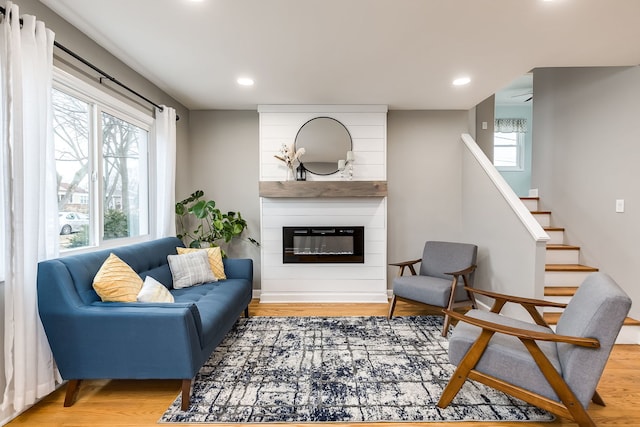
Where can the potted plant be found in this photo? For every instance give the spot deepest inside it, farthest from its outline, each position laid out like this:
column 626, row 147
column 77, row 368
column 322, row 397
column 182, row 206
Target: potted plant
column 212, row 225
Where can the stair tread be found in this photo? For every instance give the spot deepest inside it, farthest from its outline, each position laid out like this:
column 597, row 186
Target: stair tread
column 559, row 247
column 569, row 267
column 552, row 319
column 560, row 291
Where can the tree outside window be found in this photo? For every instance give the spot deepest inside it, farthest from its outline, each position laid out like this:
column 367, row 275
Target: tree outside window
column 101, row 162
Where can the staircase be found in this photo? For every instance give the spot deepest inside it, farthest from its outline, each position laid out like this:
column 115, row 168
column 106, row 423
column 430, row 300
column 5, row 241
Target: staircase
column 564, row 273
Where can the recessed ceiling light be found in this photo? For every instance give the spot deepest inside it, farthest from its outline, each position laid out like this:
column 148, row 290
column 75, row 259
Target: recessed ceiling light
column 245, row 81
column 461, row 81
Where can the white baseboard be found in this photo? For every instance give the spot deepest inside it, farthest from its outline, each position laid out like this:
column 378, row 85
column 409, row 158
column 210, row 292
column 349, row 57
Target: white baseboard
column 323, row 297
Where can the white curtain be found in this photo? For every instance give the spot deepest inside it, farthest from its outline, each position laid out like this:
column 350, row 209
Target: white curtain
column 510, row 125
column 166, row 171
column 28, row 200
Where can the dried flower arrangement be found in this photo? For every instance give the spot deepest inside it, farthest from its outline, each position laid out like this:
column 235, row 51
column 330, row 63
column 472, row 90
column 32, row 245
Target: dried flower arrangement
column 289, row 156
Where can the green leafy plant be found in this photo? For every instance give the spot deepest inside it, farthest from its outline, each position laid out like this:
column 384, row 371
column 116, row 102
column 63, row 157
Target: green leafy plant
column 212, row 226
column 79, row 239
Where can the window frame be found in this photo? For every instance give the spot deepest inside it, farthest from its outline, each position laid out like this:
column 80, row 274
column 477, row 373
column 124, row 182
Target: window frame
column 101, row 102
column 519, row 146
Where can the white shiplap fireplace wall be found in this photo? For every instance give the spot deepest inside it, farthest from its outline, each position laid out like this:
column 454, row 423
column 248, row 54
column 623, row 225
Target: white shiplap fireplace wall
column 366, row 282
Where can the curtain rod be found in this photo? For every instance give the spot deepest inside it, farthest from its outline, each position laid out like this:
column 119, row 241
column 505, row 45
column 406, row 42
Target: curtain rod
column 98, row 70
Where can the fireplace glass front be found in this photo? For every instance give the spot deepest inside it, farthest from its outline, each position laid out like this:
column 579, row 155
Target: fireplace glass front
column 323, row 244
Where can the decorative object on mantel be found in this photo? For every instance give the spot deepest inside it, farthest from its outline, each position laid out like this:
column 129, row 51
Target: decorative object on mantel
column 289, row 156
column 212, row 225
column 338, row 369
column 347, row 165
column 301, row 173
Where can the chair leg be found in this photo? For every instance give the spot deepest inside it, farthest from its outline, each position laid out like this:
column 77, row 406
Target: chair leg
column 467, row 363
column 445, row 326
column 452, row 298
column 392, row 306
column 557, row 383
column 470, row 294
column 597, row 399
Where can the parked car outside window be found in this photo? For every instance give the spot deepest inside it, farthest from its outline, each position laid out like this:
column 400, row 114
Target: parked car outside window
column 72, row 222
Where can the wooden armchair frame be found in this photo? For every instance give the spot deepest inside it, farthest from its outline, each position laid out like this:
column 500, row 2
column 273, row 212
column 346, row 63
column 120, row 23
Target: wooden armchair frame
column 568, row 407
column 454, row 283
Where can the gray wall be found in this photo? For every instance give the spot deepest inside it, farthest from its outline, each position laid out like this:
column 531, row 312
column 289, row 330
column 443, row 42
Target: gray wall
column 585, row 156
column 225, row 166
column 485, row 113
column 424, row 154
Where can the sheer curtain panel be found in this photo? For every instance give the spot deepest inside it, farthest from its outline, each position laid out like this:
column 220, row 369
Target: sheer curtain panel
column 28, row 200
column 165, row 171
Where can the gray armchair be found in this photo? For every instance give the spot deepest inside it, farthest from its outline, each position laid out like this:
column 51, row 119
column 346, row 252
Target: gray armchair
column 438, row 283
column 557, row 371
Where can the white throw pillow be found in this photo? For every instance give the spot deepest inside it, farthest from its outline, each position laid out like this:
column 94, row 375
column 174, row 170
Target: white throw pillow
column 154, row 291
column 190, row 269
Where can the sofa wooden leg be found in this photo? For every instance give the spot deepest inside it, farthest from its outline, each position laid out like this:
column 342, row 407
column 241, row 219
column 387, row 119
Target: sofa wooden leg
column 186, row 394
column 73, row 387
column 246, row 312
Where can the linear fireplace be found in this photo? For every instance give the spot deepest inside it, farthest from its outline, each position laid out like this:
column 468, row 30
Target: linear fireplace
column 322, row 245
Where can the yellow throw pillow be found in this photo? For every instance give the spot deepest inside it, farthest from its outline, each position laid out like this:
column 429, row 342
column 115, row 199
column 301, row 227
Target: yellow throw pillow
column 215, row 259
column 116, row 281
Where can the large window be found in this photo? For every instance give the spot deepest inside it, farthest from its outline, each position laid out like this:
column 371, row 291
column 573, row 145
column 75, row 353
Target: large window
column 508, row 151
column 102, row 166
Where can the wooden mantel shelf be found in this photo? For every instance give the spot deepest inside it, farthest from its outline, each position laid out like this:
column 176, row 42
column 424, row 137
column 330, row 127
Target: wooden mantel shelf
column 324, row 189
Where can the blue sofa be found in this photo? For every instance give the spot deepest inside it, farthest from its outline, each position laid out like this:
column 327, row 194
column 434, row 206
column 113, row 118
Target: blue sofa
column 91, row 339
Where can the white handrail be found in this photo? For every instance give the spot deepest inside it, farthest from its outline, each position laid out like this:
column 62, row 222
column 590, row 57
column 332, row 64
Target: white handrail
column 525, row 216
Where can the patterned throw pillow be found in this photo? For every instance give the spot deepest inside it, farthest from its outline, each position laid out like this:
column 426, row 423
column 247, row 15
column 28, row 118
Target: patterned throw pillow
column 190, row 269
column 154, row 291
column 116, row 281
column 215, row 259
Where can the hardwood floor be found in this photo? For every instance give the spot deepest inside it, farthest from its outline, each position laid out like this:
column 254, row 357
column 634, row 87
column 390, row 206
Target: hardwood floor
column 141, row 403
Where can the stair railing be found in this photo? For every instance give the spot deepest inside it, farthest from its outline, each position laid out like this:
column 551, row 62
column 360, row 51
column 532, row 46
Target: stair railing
column 512, row 244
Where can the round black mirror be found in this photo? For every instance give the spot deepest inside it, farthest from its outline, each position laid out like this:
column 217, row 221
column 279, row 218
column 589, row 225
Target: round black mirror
column 326, row 141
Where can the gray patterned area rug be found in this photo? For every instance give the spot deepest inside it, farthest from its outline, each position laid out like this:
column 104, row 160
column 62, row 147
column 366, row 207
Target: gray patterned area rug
column 338, row 369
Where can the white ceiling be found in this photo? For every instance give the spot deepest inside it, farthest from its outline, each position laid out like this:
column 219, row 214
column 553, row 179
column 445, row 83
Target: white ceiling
column 401, row 53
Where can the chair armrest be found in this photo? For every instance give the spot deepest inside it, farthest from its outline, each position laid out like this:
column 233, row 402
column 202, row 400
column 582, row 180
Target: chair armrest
column 405, row 264
column 516, row 299
column 523, row 334
column 463, row 272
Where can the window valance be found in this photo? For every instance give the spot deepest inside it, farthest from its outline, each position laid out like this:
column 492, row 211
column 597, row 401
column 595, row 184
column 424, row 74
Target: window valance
column 510, row 125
